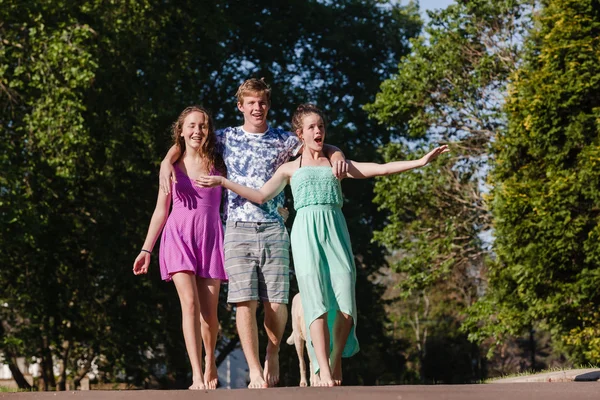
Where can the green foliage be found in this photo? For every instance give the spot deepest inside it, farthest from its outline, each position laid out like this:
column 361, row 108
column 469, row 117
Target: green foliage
column 585, row 339
column 448, row 90
column 545, row 197
column 87, row 92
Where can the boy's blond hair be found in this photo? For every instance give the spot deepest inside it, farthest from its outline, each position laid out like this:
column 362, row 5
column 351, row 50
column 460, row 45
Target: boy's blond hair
column 253, row 86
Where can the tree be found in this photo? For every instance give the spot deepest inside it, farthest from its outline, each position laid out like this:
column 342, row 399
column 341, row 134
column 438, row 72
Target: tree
column 545, row 200
column 449, row 89
column 88, row 90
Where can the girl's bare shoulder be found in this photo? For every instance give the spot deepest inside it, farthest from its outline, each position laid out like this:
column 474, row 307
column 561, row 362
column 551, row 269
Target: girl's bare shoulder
column 288, row 168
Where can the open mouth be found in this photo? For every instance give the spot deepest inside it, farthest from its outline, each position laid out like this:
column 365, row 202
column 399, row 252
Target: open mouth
column 319, row 140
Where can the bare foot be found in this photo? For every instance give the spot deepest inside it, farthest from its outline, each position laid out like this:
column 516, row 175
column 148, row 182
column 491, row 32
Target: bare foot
column 257, row 382
column 314, row 380
column 325, row 379
column 337, row 374
column 211, row 377
column 197, row 384
column 271, row 374
column 326, row 383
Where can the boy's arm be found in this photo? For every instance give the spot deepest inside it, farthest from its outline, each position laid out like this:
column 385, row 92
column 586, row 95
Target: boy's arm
column 338, row 161
column 167, row 172
column 359, row 170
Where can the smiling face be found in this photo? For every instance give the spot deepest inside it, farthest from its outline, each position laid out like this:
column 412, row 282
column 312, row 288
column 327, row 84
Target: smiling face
column 255, row 107
column 312, row 132
column 195, row 130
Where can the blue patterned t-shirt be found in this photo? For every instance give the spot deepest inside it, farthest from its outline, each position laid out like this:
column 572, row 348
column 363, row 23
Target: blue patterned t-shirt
column 251, row 160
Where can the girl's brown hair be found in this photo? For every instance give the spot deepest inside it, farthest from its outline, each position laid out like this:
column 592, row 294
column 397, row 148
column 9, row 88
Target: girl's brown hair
column 208, row 149
column 302, row 111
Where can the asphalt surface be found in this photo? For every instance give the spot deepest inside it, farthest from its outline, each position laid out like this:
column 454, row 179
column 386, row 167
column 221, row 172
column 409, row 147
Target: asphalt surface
column 510, row 391
column 568, row 384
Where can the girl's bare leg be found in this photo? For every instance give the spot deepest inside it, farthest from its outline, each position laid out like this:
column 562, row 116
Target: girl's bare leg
column 185, row 283
column 319, row 332
column 208, row 293
column 341, row 330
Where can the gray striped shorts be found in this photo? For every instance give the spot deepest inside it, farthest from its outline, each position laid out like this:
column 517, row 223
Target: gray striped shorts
column 257, row 261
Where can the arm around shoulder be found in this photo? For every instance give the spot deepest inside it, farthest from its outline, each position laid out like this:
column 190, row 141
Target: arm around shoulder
column 167, row 172
column 333, row 153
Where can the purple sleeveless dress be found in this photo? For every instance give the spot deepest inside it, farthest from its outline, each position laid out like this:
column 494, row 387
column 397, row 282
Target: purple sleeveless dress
column 192, row 239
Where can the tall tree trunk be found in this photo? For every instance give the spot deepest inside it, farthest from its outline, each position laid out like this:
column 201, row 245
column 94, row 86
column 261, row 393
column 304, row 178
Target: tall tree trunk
column 47, row 365
column 532, row 348
column 16, row 372
column 43, row 382
column 62, row 381
column 11, row 360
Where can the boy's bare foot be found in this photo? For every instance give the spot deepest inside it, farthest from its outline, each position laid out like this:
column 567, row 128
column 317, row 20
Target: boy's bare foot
column 211, row 377
column 271, row 374
column 257, row 382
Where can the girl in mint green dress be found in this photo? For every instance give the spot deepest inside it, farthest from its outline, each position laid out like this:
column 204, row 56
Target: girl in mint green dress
column 320, row 241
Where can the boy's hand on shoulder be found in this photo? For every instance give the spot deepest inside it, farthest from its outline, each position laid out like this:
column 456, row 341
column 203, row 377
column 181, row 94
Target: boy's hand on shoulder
column 340, row 169
column 165, row 176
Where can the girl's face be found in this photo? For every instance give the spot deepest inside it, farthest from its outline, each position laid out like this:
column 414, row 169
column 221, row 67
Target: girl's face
column 313, row 132
column 195, row 130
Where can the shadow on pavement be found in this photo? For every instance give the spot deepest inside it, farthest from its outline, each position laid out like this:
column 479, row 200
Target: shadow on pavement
column 588, row 377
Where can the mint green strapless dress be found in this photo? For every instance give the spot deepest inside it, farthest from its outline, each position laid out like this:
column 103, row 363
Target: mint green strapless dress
column 322, row 252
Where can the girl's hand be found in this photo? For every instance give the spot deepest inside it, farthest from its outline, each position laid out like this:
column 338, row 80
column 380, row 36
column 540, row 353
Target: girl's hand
column 427, row 158
column 209, row 181
column 141, row 263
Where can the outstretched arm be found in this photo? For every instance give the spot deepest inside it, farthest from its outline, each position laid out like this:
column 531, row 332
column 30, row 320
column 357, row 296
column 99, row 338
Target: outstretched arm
column 270, row 189
column 159, row 217
column 167, row 172
column 360, row 170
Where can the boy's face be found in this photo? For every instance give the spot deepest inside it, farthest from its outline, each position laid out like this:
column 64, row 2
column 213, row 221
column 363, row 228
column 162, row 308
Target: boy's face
column 255, row 108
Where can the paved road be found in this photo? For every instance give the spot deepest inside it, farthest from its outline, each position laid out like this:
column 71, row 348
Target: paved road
column 509, row 391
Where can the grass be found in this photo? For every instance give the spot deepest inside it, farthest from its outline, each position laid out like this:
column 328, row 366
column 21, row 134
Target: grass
column 4, row 389
column 545, row 371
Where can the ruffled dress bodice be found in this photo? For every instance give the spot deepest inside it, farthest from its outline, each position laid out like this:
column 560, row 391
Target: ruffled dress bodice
column 315, row 186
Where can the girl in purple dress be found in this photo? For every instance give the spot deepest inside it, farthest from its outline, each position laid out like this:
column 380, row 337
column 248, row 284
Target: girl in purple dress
column 191, row 248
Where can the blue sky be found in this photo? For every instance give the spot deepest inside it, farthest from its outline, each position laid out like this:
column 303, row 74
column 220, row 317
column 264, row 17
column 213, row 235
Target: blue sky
column 432, row 4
